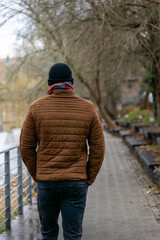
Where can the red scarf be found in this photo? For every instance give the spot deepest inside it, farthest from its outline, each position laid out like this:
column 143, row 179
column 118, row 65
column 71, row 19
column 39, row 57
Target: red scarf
column 62, row 85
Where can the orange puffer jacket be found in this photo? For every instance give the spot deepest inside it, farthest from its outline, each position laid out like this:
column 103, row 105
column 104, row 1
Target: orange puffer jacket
column 61, row 124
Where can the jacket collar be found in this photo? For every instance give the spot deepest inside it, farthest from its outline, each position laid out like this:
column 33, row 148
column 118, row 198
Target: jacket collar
column 62, row 93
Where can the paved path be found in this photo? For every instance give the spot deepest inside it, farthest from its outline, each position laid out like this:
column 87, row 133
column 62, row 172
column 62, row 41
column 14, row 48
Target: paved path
column 117, row 208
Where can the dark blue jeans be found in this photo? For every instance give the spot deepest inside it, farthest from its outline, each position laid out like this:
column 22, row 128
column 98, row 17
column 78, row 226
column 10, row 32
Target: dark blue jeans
column 69, row 197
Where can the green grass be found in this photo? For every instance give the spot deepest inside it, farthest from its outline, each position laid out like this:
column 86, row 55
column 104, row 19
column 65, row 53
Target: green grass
column 15, row 213
column 153, row 147
column 3, row 228
column 133, row 116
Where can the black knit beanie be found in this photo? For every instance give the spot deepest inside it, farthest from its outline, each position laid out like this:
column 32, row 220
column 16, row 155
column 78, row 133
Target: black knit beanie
column 60, row 72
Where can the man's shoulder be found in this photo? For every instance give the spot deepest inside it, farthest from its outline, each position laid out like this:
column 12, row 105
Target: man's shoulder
column 39, row 101
column 46, row 99
column 85, row 101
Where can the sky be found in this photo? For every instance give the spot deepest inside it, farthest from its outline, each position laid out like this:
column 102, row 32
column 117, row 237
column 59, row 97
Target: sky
column 8, row 38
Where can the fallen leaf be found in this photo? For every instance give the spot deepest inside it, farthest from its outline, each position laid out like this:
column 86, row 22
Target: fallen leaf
column 148, row 191
column 152, row 190
column 145, row 204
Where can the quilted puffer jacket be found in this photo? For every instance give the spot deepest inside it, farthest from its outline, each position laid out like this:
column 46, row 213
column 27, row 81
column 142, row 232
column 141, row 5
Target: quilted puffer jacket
column 53, row 140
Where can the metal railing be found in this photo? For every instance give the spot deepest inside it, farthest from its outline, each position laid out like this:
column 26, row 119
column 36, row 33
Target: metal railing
column 15, row 185
column 157, row 168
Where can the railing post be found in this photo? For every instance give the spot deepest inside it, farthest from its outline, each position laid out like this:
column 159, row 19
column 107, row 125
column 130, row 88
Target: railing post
column 7, row 191
column 20, row 183
column 29, row 188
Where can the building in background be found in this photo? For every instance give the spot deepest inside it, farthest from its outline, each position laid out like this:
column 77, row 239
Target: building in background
column 130, row 92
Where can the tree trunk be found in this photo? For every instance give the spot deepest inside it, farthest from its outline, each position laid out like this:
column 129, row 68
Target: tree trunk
column 153, row 90
column 158, row 108
column 110, row 113
column 102, row 110
column 98, row 102
column 156, row 90
column 158, row 100
column 105, row 116
column 144, row 104
column 111, row 107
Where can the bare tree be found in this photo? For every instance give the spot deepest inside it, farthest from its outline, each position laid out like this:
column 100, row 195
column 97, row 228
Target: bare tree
column 70, row 31
column 141, row 20
column 93, row 37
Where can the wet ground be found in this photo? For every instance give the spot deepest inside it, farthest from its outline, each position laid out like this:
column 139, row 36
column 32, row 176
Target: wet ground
column 122, row 203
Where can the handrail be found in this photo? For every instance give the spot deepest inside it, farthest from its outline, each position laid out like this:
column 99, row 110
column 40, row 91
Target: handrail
column 156, row 168
column 8, row 149
column 13, row 185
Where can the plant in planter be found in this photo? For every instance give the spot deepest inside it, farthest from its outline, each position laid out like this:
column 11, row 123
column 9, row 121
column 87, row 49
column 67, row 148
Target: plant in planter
column 133, row 116
column 149, row 158
column 155, row 151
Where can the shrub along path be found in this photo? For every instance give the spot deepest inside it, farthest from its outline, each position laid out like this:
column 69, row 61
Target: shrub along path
column 117, row 206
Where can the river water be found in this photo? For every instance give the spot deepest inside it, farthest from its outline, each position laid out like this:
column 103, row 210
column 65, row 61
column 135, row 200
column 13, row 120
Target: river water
column 8, row 140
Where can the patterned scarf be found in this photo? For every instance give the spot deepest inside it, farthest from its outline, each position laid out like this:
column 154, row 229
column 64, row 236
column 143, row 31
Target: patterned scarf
column 63, row 85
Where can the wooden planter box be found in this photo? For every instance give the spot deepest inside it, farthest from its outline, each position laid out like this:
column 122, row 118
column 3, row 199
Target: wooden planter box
column 153, row 134
column 158, row 141
column 138, row 127
column 125, row 134
column 132, row 143
column 147, row 161
column 124, row 124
